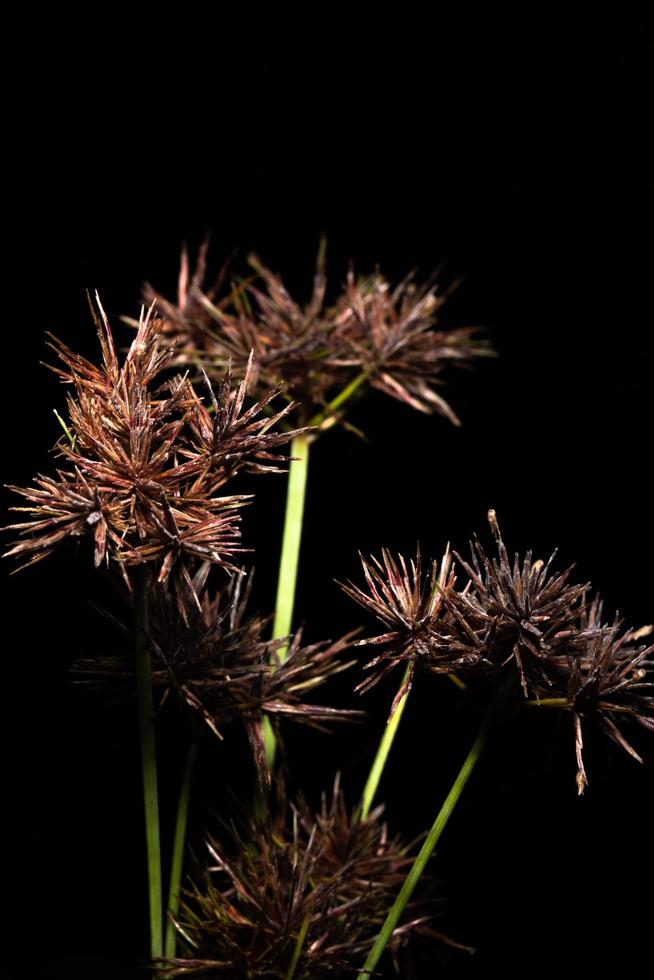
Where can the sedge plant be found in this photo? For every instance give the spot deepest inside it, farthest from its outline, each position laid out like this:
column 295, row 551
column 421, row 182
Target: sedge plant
column 150, row 442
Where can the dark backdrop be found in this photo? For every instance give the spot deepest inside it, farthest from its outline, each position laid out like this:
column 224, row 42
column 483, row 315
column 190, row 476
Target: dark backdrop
column 517, row 153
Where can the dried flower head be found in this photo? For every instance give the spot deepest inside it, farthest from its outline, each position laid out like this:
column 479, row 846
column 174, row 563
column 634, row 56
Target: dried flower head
column 302, row 895
column 414, row 606
column 392, row 338
column 609, row 681
column 371, row 333
column 212, row 659
column 506, row 612
column 521, row 611
column 143, row 464
column 187, row 320
column 291, row 342
column 518, row 616
column 547, row 626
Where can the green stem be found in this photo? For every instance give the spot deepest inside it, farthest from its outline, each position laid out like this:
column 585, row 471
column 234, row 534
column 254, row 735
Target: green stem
column 148, row 759
column 178, row 849
column 438, row 826
column 547, row 703
column 340, row 399
column 297, row 482
column 293, row 521
column 462, row 686
column 382, row 753
column 302, row 935
column 288, row 565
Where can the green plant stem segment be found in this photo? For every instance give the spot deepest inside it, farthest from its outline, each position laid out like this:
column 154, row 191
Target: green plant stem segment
column 297, row 952
column 288, row 565
column 433, row 836
column 548, row 703
column 293, row 521
column 340, row 399
column 179, row 844
column 148, row 759
column 379, row 764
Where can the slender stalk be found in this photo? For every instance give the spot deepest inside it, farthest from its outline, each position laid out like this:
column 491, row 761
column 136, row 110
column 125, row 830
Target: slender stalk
column 292, row 537
column 434, row 834
column 340, row 398
column 297, row 952
column 148, row 759
column 178, row 849
column 548, row 703
column 462, row 686
column 378, row 765
column 288, row 565
column 297, row 482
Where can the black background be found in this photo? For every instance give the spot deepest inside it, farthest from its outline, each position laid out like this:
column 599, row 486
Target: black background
column 516, row 152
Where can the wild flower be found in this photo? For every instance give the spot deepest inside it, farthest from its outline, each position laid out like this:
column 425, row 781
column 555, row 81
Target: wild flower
column 521, row 617
column 413, row 604
column 604, row 676
column 144, row 462
column 392, row 338
column 214, row 661
column 520, row 610
column 297, row 894
column 372, row 332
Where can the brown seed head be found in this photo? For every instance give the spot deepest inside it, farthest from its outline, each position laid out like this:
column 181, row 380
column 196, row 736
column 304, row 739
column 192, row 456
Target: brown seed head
column 319, row 884
column 414, row 606
column 144, row 463
column 211, row 657
column 384, row 335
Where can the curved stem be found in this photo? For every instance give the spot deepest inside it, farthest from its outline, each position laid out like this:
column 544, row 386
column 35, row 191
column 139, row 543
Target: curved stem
column 288, row 565
column 148, row 759
column 434, row 834
column 178, row 849
column 385, row 744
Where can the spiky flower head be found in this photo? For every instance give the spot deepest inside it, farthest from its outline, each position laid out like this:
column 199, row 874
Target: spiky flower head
column 145, row 459
column 211, row 658
column 300, row 895
column 521, row 609
column 519, row 617
column 603, row 674
column 372, row 333
column 553, row 633
column 413, row 604
column 186, row 320
column 393, row 339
